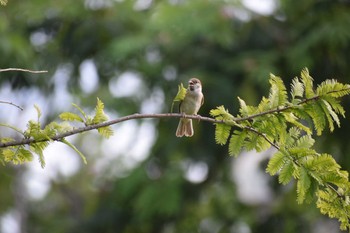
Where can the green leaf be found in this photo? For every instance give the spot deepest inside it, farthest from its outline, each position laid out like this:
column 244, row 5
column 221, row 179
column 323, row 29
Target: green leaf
column 330, row 204
column 308, row 83
column 243, row 110
column 63, row 140
column 272, row 127
column 246, row 110
column 292, row 135
column 81, row 111
column 328, row 116
column 50, row 130
column 41, row 158
column 69, row 116
column 334, row 116
column 220, row 113
column 25, row 155
column 332, row 88
column 291, row 118
column 256, row 141
column 300, row 152
column 303, row 185
column 305, row 141
column 264, row 105
column 287, row 172
column 276, row 163
column 335, row 104
column 297, row 89
column 55, row 127
column 279, row 131
column 317, row 115
column 181, row 93
column 100, row 116
column 180, row 96
column 9, row 156
column 38, row 149
column 236, row 142
column 278, row 92
column 294, row 132
column 222, row 132
column 334, row 178
column 321, row 163
column 105, row 131
column 33, row 129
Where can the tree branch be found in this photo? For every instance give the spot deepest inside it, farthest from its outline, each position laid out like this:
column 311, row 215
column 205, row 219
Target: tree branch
column 284, row 108
column 59, row 137
column 10, row 103
column 23, row 70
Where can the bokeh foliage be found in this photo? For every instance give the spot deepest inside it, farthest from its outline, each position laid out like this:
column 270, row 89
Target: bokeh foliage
column 230, row 48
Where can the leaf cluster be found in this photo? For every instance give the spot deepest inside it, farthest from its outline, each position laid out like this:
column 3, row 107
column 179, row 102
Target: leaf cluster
column 288, row 123
column 42, row 136
column 180, row 96
column 99, row 117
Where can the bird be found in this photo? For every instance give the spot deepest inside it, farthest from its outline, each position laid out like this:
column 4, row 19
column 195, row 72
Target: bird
column 190, row 105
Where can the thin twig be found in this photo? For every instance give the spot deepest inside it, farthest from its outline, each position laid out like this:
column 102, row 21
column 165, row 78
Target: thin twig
column 23, row 70
column 10, row 103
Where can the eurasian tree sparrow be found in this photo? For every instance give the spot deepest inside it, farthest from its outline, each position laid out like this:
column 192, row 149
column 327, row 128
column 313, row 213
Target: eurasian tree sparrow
column 190, row 105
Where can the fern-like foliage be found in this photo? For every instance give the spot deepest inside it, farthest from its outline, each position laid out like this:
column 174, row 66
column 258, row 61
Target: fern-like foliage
column 69, row 116
column 335, row 204
column 101, row 117
column 288, row 122
column 278, row 92
column 97, row 118
column 237, row 142
column 297, row 90
column 43, row 136
column 307, row 81
column 180, row 96
column 223, row 130
column 16, row 155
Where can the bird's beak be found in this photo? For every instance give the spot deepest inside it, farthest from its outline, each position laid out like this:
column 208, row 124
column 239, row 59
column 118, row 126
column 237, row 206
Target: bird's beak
column 191, row 86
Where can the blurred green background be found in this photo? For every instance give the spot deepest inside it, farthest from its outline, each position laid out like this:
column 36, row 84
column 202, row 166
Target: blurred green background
column 132, row 54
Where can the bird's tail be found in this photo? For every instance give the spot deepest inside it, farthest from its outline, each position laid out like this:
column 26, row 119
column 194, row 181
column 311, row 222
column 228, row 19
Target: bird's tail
column 184, row 128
